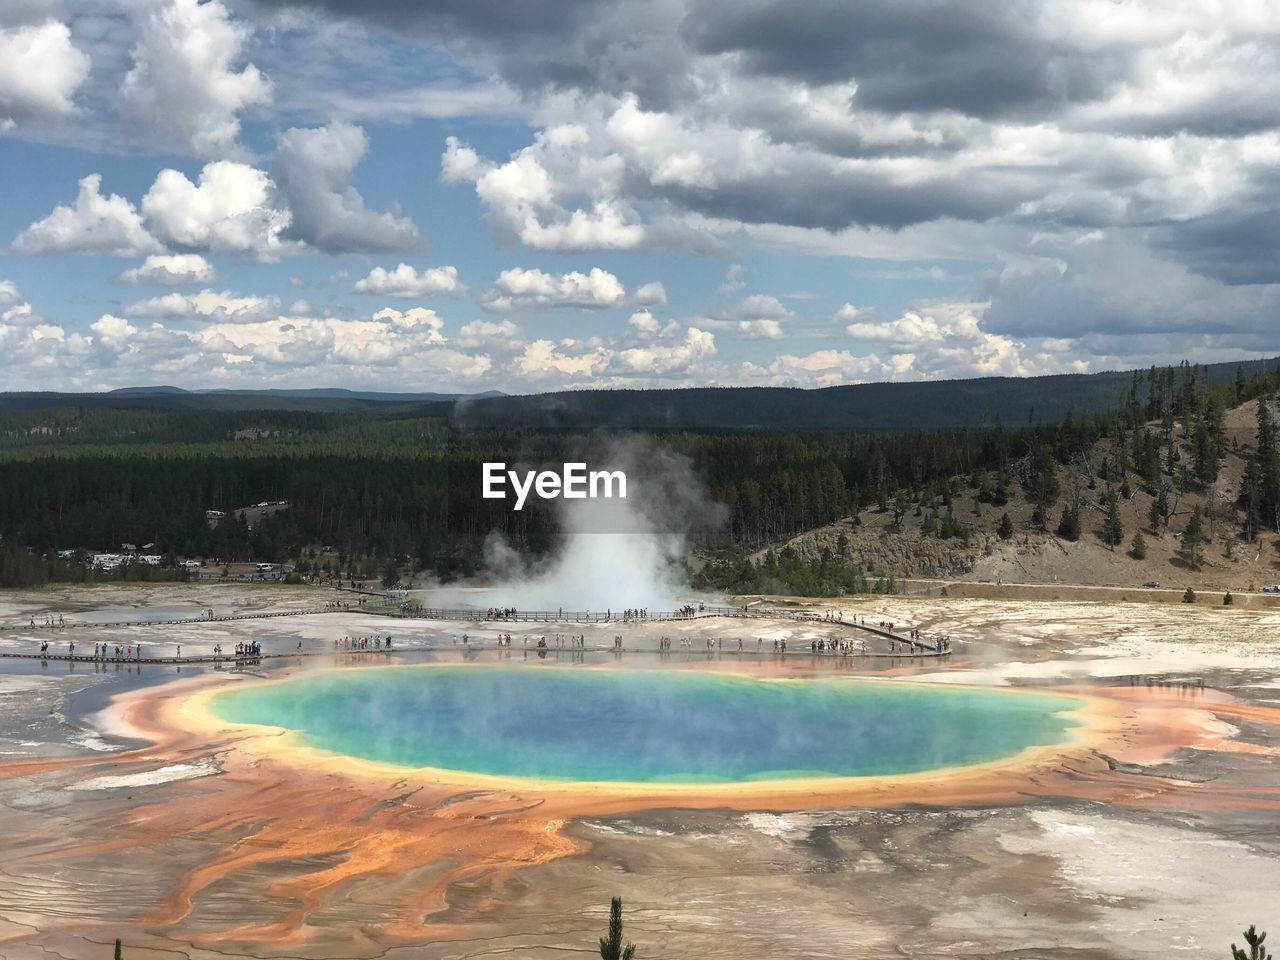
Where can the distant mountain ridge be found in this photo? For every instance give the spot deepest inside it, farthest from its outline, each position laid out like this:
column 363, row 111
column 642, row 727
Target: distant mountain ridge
column 318, row 400
column 925, row 404
column 869, row 406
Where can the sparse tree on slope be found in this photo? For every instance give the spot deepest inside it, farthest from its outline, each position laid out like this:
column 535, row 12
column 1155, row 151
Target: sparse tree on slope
column 1006, row 528
column 1112, row 527
column 1193, row 537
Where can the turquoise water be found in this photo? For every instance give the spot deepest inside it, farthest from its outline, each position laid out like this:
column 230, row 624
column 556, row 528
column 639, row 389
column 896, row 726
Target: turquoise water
column 647, row 725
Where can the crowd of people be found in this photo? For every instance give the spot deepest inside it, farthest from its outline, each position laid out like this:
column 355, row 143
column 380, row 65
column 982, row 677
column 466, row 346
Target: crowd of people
column 374, row 642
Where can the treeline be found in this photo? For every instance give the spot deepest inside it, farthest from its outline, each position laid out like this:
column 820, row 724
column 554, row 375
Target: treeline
column 396, row 487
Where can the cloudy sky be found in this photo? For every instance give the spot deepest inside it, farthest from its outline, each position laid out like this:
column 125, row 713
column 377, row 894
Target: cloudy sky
column 467, row 195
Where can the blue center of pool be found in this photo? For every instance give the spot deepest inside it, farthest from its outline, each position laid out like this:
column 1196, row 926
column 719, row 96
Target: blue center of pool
column 647, row 725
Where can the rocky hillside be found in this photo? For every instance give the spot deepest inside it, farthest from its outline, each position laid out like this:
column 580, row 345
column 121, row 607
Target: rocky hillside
column 1031, row 555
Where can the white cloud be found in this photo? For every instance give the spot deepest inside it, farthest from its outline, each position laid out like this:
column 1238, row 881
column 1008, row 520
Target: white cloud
column 821, row 368
column 397, row 346
column 848, row 313
column 40, row 70
column 568, row 357
column 313, row 168
column 230, row 208
column 759, row 329
column 223, row 307
column 404, row 281
column 652, row 294
column 33, row 350
column 422, row 323
column 498, row 335
column 184, row 90
column 94, row 224
column 518, row 287
column 757, row 317
column 235, row 208
column 170, row 270
column 644, row 321
column 695, row 347
column 531, row 197
column 910, row 329
column 733, row 282
column 113, row 331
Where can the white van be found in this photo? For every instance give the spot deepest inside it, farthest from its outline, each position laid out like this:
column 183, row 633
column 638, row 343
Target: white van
column 266, row 567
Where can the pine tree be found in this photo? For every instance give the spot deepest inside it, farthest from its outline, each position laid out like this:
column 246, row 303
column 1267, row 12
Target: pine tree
column 1193, row 537
column 1005, row 530
column 611, row 946
column 1112, row 526
column 1041, row 484
column 1256, row 950
column 1267, row 457
column 1069, row 525
column 1204, row 451
column 1138, row 548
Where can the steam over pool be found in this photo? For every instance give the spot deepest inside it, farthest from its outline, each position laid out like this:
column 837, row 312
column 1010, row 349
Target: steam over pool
column 647, row 726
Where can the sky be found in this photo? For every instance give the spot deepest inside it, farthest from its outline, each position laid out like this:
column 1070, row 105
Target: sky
column 471, row 195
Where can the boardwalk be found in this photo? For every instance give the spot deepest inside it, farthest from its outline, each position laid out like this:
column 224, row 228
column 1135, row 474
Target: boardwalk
column 901, row 645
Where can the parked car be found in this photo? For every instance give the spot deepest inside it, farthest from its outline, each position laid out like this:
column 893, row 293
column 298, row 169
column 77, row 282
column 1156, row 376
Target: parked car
column 1152, row 583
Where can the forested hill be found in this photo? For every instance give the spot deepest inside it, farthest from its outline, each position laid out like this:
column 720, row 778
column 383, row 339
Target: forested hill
column 920, row 405
column 320, row 400
column 872, row 406
column 389, row 488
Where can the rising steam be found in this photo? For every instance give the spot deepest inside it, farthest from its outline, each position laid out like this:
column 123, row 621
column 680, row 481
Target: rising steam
column 615, row 553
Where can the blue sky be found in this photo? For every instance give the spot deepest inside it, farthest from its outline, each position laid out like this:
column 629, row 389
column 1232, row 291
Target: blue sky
column 627, row 193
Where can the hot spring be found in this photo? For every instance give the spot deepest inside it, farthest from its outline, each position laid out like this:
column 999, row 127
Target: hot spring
column 655, row 726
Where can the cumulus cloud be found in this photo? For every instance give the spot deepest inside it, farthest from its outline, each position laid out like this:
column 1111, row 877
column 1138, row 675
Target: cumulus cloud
column 32, row 349
column 756, row 317
column 94, row 224
column 849, row 312
column 537, row 196
column 170, row 270
column 405, row 281
column 652, row 294
column 500, row 335
column 184, row 91
column 391, row 346
column 821, row 368
column 233, row 207
column 644, row 321
column 518, row 287
column 40, row 70
column 210, row 305
column 678, row 355
column 230, row 208
column 313, row 169
column 423, row 324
